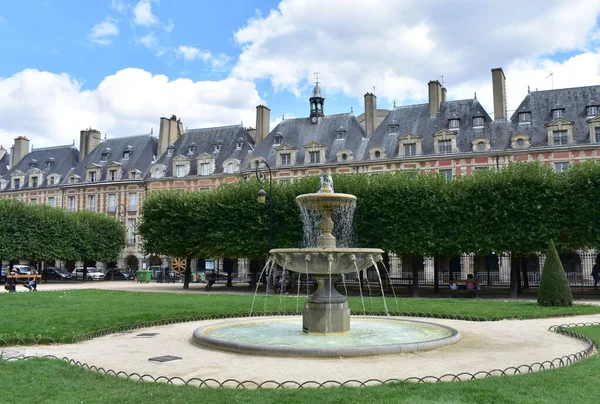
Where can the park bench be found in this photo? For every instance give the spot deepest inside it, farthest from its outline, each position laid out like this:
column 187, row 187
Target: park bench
column 462, row 285
column 25, row 277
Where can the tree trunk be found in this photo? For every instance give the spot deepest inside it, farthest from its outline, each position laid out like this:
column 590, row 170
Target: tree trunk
column 415, row 280
column 525, row 268
column 514, row 276
column 188, row 272
column 436, row 275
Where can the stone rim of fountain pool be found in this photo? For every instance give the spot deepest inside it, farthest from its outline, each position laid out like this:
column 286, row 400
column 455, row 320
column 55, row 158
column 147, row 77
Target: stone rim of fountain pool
column 202, row 336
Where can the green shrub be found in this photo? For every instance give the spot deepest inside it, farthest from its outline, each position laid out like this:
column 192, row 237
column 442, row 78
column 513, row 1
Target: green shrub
column 554, row 287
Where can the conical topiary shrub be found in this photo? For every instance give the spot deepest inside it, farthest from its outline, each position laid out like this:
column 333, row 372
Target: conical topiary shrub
column 554, row 286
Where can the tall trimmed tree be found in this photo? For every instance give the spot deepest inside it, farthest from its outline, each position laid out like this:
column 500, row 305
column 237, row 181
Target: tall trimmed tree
column 554, row 287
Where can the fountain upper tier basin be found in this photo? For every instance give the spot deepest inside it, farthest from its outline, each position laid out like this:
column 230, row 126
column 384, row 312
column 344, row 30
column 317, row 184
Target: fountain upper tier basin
column 324, row 200
column 326, row 260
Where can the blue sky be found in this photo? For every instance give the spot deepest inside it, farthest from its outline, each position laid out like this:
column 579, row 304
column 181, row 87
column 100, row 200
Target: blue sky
column 119, row 65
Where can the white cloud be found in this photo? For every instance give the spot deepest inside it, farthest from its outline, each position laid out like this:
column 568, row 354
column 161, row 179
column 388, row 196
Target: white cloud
column 119, row 6
column 50, row 109
column 399, row 46
column 169, row 27
column 142, row 14
column 149, row 41
column 191, row 53
column 104, row 32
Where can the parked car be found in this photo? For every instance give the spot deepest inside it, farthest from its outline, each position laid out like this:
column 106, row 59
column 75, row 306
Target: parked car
column 117, row 274
column 55, row 273
column 92, row 274
column 23, row 269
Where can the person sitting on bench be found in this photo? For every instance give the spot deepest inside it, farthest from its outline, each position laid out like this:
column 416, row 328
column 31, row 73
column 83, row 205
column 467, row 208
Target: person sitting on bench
column 471, row 285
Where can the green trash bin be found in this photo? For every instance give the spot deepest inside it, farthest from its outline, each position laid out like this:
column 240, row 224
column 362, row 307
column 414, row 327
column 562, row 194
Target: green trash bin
column 144, row 276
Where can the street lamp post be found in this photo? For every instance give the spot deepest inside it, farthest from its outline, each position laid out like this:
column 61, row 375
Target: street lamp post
column 261, row 196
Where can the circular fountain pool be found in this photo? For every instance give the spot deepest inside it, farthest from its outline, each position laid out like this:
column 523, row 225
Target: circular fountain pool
column 282, row 336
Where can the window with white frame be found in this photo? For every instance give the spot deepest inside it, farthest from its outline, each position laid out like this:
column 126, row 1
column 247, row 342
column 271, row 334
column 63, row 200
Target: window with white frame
column 592, row 110
column 558, row 113
column 34, row 181
column 453, row 123
column 447, row 174
column 597, row 134
column 112, row 202
column 33, row 201
column 445, row 146
column 180, row 171
column 229, row 168
column 559, row 167
column 524, row 117
column 131, row 231
column 91, row 203
column 51, row 180
column 133, row 201
column 560, row 137
column 126, row 154
column 92, row 176
column 72, row 205
column 51, row 201
column 277, row 139
column 205, row 169
column 16, row 183
column 315, row 157
column 239, row 144
column 112, row 175
column 286, row 159
column 478, row 121
column 410, row 149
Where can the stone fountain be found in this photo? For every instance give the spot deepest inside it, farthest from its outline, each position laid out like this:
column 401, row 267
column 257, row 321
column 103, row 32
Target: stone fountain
column 326, row 311
column 325, row 330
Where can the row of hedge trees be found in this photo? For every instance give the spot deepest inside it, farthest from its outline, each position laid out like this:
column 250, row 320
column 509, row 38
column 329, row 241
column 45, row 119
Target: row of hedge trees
column 517, row 209
column 43, row 233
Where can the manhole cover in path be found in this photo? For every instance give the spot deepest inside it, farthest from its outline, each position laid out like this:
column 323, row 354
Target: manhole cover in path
column 147, row 334
column 165, row 358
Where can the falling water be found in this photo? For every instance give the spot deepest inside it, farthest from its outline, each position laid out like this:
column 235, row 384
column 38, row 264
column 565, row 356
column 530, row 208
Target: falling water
column 344, row 225
column 388, row 277
column 270, row 261
column 311, row 219
column 385, row 308
column 362, row 299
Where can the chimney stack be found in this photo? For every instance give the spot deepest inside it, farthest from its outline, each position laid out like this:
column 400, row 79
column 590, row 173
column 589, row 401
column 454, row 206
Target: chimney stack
column 169, row 131
column 370, row 113
column 89, row 139
column 444, row 94
column 499, row 90
column 19, row 150
column 263, row 123
column 435, row 97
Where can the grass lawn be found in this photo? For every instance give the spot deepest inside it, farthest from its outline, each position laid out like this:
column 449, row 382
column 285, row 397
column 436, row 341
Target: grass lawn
column 65, row 314
column 61, row 315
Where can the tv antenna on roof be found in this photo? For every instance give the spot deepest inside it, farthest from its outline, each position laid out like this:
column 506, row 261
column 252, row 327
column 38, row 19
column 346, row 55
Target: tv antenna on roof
column 316, row 78
column 551, row 75
column 442, row 77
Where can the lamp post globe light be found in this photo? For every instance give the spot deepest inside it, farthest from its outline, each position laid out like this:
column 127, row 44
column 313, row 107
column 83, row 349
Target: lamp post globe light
column 262, row 171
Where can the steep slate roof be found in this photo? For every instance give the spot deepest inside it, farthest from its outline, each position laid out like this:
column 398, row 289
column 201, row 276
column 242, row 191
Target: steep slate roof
column 205, row 139
column 298, row 132
column 415, row 119
column 143, row 151
column 4, row 162
column 541, row 103
column 63, row 158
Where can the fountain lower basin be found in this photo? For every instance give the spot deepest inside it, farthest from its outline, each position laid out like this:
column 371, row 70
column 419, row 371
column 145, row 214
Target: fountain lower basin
column 277, row 336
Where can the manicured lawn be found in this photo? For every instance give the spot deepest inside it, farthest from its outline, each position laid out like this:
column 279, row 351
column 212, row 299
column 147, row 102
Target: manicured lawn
column 54, row 381
column 65, row 314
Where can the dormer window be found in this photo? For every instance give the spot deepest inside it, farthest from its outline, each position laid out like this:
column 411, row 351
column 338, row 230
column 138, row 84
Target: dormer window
column 51, row 180
column 592, row 110
column 33, row 163
column 34, row 182
column 127, row 152
column 218, row 147
column 445, row 146
column 286, row 159
column 393, row 127
column 340, row 133
column 558, row 113
column 277, row 139
column 239, row 144
column 478, row 121
column 104, row 157
column 453, row 123
column 92, row 176
column 112, row 175
column 16, row 183
column 170, row 150
column 524, row 117
column 49, row 162
column 192, row 148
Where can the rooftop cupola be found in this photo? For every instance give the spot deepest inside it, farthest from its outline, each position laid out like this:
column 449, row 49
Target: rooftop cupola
column 316, row 103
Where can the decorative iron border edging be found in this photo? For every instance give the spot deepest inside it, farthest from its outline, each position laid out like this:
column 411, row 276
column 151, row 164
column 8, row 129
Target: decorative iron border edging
column 561, row 362
column 157, row 323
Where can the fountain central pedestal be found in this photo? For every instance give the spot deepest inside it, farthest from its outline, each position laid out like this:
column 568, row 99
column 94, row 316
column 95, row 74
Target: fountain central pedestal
column 326, row 311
